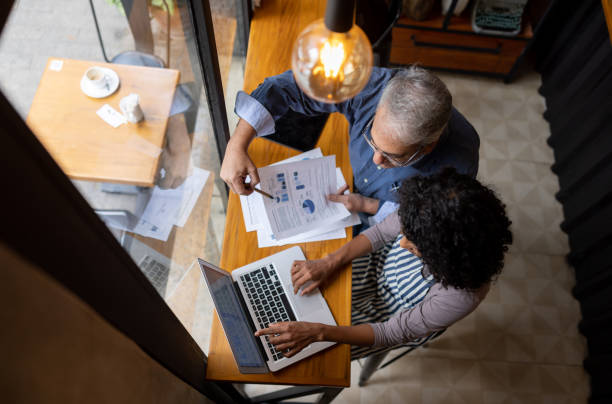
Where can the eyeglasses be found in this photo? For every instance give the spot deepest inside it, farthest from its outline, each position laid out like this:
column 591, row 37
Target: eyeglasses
column 393, row 160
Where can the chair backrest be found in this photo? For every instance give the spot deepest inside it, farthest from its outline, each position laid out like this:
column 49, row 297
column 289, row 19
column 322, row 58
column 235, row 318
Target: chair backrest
column 136, row 58
column 183, row 99
column 137, row 15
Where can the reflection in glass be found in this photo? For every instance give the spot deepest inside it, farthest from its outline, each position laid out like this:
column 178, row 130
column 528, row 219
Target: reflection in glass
column 155, row 182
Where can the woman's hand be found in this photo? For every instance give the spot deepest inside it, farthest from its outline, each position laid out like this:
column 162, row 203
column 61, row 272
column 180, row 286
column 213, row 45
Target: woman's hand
column 292, row 336
column 311, row 274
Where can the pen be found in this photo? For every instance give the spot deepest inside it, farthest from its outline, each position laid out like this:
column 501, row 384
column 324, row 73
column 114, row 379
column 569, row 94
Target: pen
column 263, row 193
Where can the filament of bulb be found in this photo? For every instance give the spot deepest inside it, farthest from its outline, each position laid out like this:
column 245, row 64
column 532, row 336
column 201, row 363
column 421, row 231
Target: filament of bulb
column 332, row 57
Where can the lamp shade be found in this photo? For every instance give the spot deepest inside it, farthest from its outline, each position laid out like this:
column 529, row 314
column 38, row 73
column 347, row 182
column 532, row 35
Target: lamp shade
column 331, row 66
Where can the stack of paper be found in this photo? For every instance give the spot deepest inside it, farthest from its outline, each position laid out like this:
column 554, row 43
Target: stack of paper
column 166, row 208
column 300, row 211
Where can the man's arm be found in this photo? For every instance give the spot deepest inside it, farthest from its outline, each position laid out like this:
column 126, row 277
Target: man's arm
column 236, row 163
column 354, row 202
column 280, row 93
column 258, row 111
column 175, row 158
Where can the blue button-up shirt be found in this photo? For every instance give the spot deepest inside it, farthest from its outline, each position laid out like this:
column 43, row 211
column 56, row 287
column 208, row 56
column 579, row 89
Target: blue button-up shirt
column 457, row 146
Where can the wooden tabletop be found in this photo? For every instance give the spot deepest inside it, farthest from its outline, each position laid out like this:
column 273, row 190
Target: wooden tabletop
column 64, row 120
column 273, row 29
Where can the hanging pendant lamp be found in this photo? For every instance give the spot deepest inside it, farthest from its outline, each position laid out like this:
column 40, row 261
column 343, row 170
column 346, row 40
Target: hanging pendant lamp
column 332, row 57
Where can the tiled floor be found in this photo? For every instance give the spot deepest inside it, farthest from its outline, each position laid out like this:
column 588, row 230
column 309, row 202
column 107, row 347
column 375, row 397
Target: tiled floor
column 522, row 343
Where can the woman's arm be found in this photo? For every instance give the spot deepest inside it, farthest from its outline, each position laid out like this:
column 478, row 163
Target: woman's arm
column 317, row 271
column 295, row 336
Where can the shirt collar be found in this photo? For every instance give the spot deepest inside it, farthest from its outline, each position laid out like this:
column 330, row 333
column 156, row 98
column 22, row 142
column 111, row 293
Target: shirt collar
column 428, row 158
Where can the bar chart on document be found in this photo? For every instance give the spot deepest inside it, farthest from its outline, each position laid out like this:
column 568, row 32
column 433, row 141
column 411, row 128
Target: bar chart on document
column 300, row 190
column 299, row 211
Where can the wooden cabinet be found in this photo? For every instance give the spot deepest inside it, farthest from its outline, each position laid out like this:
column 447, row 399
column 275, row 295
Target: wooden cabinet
column 451, row 44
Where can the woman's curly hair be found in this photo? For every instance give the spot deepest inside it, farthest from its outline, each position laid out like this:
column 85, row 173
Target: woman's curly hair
column 459, row 226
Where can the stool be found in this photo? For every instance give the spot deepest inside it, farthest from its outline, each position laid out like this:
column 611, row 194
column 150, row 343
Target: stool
column 372, row 361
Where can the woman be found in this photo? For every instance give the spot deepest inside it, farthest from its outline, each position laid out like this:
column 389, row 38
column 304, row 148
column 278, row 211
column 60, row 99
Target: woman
column 448, row 237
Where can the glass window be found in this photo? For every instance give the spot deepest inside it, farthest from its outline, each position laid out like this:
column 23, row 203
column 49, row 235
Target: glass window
column 118, row 99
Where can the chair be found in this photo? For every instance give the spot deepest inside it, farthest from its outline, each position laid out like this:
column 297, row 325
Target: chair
column 372, row 361
column 183, row 100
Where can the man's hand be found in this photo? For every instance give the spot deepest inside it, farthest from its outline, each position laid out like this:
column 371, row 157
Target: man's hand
column 315, row 272
column 293, row 336
column 237, row 164
column 355, row 202
column 175, row 167
column 176, row 155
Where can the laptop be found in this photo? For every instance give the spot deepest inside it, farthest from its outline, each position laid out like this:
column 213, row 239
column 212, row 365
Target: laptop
column 255, row 295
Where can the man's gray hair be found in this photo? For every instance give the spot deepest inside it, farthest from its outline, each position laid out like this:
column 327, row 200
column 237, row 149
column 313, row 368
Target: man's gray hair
column 418, row 106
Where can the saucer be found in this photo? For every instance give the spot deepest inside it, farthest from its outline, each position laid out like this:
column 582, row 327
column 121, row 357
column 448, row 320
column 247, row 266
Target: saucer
column 110, row 88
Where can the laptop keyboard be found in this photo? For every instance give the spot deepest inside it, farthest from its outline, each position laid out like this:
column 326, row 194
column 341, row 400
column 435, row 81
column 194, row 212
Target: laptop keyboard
column 156, row 272
column 268, row 300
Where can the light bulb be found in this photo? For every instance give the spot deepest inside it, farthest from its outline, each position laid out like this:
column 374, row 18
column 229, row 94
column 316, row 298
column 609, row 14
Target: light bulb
column 331, row 66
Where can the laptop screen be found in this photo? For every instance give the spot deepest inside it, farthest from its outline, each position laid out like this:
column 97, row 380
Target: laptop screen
column 232, row 316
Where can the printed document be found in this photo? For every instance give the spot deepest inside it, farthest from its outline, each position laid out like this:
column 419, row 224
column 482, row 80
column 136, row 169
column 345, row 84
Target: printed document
column 169, row 207
column 252, row 205
column 331, row 231
column 300, row 192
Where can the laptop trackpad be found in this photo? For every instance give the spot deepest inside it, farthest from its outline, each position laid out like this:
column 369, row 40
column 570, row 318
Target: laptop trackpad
column 307, row 305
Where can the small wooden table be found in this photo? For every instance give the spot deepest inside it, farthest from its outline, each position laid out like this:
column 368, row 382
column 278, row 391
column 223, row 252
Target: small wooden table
column 273, row 29
column 87, row 148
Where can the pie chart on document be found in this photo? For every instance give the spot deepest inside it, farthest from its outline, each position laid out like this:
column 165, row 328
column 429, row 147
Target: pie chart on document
column 308, row 206
column 112, row 84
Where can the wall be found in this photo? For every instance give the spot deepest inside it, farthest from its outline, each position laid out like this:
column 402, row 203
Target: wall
column 574, row 56
column 55, row 349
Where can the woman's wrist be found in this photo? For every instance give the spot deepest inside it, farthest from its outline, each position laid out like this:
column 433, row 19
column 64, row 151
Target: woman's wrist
column 324, row 333
column 334, row 261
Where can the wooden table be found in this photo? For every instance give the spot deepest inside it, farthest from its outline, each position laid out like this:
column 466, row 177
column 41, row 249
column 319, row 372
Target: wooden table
column 64, row 120
column 273, row 29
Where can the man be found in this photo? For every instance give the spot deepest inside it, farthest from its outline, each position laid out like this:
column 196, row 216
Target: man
column 401, row 124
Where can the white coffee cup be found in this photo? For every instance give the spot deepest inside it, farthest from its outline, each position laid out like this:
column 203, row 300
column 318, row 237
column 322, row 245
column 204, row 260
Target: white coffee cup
column 97, row 77
column 130, row 107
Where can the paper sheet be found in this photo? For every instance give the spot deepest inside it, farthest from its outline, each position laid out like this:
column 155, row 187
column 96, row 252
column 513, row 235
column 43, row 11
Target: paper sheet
column 193, row 186
column 168, row 207
column 56, row 65
column 300, row 192
column 111, row 116
column 252, row 205
column 333, row 231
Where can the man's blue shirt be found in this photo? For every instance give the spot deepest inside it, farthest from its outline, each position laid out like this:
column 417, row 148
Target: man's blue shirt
column 457, row 147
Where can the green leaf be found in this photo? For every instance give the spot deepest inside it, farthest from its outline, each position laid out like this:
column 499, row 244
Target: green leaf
column 160, row 4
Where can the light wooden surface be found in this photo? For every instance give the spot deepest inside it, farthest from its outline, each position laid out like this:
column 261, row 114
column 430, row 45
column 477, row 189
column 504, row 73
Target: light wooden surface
column 87, row 148
column 273, row 30
column 607, row 7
